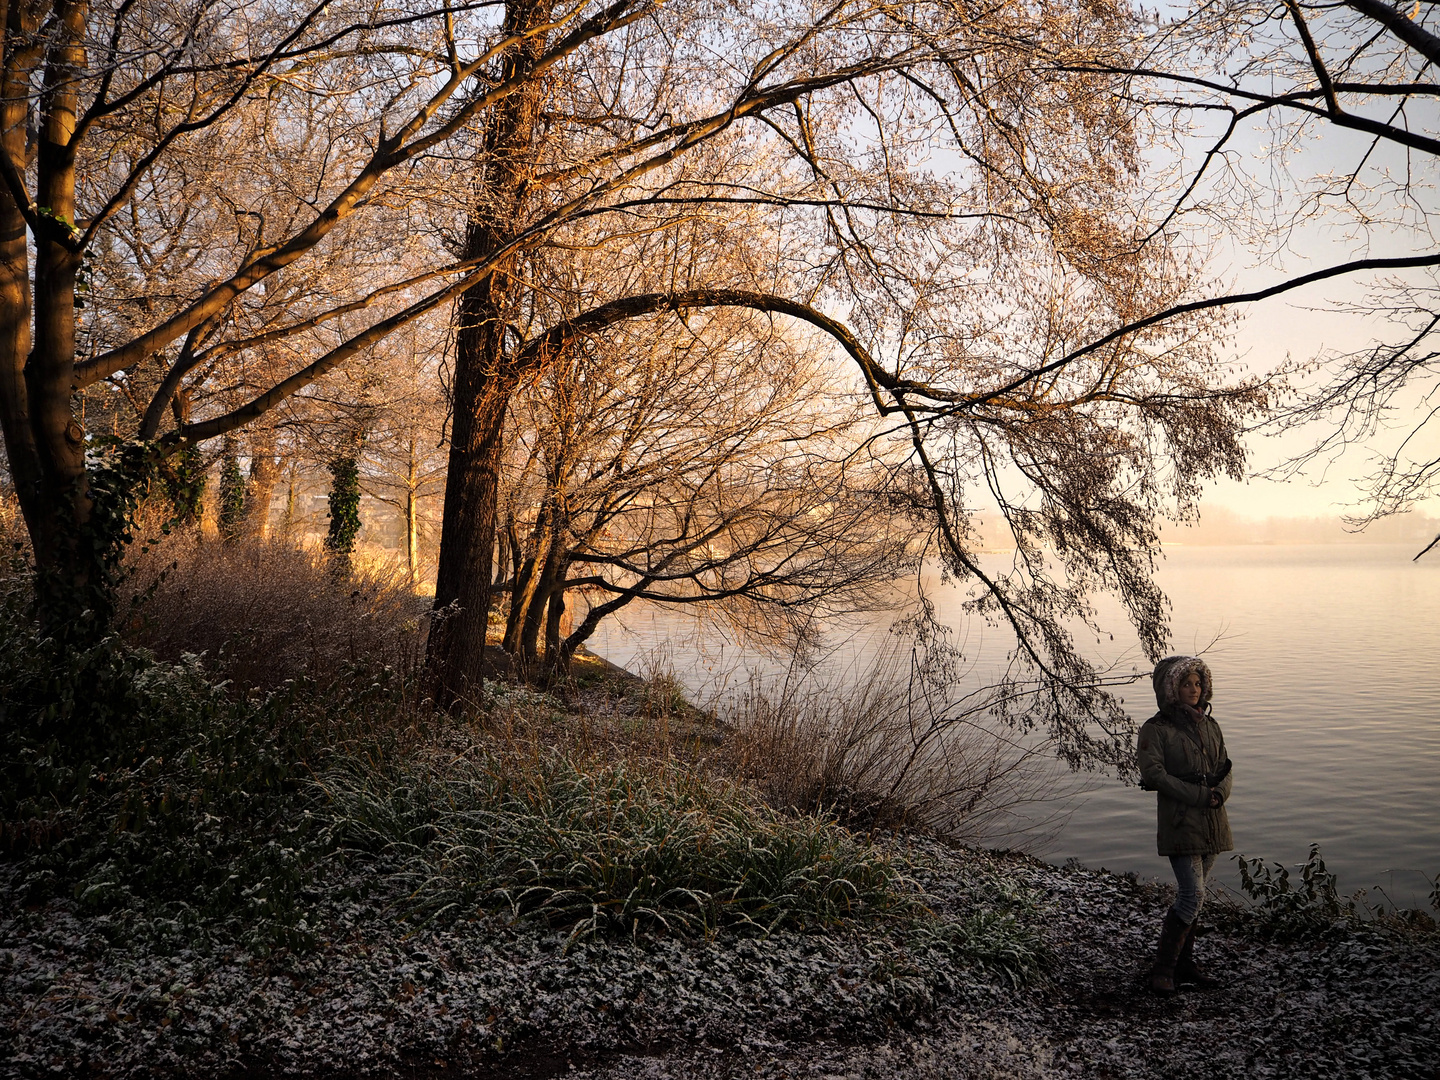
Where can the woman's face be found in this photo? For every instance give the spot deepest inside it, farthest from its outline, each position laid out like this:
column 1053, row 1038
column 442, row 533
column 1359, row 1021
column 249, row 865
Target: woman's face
column 1190, row 689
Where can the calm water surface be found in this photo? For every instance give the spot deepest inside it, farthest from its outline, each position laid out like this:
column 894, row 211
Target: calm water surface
column 1327, row 687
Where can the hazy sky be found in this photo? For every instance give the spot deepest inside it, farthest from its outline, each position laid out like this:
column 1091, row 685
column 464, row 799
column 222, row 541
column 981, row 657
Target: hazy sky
column 1304, row 323
column 1268, row 333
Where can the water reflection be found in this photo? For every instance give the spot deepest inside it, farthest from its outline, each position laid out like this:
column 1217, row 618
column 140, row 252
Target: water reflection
column 1326, row 687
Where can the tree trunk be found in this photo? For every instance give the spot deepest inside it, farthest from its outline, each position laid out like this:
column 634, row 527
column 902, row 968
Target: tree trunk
column 72, row 557
column 557, row 658
column 287, row 523
column 412, row 517
column 595, row 616
column 264, row 475
column 456, row 651
column 485, row 377
column 26, row 470
column 230, row 514
column 526, row 581
column 344, row 501
column 544, row 591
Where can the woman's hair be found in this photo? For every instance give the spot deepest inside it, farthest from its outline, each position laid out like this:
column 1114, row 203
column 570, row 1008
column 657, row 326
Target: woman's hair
column 1171, row 672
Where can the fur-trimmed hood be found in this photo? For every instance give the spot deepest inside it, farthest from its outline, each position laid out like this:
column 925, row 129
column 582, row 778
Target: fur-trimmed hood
column 1169, row 673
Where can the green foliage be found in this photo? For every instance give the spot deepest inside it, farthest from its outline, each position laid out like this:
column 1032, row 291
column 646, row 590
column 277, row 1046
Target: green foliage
column 603, row 846
column 142, row 788
column 181, row 480
column 232, row 496
column 1315, row 906
column 76, row 591
column 344, row 508
column 995, row 941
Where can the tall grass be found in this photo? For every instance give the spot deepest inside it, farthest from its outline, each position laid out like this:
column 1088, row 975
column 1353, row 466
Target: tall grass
column 601, row 845
column 265, row 611
column 897, row 747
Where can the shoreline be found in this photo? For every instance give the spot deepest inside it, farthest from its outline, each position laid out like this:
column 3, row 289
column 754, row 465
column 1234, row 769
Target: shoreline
column 985, row 965
column 1358, row 1003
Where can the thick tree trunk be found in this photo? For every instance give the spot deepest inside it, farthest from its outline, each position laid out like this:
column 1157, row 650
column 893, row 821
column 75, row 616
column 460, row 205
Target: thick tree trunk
column 456, row 653
column 72, row 560
column 15, row 411
column 485, row 378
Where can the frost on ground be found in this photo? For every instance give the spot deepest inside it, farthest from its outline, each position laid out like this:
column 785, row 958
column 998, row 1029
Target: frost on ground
column 89, row 997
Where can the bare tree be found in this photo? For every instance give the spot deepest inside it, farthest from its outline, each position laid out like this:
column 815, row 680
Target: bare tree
column 706, row 462
column 148, row 117
column 948, row 192
column 1357, row 74
column 404, row 465
column 956, row 284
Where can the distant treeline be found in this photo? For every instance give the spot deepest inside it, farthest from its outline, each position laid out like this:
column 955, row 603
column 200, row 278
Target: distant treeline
column 1219, row 525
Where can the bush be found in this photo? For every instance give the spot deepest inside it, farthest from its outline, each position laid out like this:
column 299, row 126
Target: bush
column 897, row 747
column 1316, row 908
column 137, row 785
column 1286, row 910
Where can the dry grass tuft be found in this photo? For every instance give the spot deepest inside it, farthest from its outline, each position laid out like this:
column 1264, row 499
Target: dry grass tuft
column 893, row 750
column 264, row 611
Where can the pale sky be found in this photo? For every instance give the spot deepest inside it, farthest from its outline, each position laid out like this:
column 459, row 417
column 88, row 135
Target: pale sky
column 1304, row 323
column 1270, row 332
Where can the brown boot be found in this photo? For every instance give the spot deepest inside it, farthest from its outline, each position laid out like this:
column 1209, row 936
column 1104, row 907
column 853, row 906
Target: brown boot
column 1188, row 972
column 1172, row 937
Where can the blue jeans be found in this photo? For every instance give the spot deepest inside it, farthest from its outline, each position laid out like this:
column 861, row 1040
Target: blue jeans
column 1190, row 874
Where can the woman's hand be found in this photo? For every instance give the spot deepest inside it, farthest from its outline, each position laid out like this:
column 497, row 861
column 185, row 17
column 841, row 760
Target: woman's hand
column 1215, row 800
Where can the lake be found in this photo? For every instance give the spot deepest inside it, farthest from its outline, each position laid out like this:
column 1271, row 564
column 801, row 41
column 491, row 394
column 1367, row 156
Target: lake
column 1327, row 687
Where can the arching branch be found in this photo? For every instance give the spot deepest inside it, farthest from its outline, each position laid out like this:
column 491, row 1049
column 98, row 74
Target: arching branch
column 560, row 337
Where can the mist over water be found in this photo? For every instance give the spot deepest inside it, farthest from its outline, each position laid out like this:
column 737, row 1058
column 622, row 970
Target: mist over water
column 1327, row 687
column 1328, row 690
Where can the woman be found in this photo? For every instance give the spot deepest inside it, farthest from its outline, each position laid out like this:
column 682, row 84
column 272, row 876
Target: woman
column 1182, row 757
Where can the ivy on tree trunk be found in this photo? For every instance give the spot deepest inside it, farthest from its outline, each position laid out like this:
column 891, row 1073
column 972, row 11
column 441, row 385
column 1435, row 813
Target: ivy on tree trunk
column 344, row 510
column 231, row 512
column 182, row 482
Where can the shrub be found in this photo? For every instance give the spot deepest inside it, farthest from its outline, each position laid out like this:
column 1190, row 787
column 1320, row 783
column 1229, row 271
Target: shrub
column 1287, row 911
column 895, row 748
column 140, row 786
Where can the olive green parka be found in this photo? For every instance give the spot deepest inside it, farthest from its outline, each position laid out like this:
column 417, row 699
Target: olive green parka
column 1179, row 753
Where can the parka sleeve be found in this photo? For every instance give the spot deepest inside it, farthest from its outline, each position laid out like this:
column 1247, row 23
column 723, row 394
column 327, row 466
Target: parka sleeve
column 1150, row 758
column 1224, row 786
